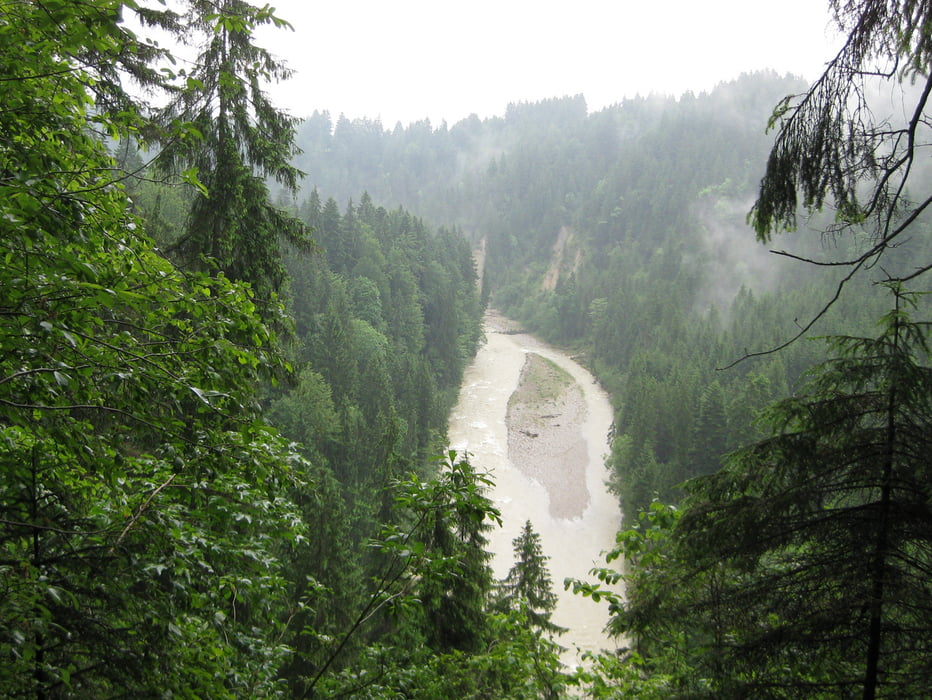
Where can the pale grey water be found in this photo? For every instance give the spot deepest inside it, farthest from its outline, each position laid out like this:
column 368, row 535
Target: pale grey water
column 478, row 425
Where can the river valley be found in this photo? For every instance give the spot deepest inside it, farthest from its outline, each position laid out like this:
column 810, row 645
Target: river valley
column 537, row 422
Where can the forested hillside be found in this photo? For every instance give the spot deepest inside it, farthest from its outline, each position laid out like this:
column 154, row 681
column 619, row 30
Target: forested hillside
column 221, row 416
column 623, row 233
column 775, row 485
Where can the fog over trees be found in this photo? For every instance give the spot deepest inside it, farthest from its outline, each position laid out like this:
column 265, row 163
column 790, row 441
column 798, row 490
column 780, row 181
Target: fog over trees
column 231, row 342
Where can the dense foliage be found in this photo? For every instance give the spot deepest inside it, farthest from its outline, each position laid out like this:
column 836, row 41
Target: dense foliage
column 235, row 137
column 157, row 536
column 798, row 569
column 527, row 587
column 623, row 234
column 384, row 322
column 143, row 499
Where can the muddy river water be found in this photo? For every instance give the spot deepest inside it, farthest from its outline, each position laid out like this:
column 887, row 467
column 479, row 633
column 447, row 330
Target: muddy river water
column 547, row 468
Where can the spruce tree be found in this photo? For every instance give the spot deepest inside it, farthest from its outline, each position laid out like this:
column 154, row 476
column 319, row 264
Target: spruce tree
column 822, row 533
column 455, row 598
column 838, row 146
column 528, row 587
column 235, row 138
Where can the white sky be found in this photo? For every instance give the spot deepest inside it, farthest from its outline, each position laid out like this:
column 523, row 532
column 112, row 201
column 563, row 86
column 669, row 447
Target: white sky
column 404, row 60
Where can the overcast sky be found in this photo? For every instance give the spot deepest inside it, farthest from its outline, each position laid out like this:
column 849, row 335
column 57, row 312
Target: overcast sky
column 406, row 60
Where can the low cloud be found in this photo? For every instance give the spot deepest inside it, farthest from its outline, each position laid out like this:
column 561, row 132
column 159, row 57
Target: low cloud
column 730, row 253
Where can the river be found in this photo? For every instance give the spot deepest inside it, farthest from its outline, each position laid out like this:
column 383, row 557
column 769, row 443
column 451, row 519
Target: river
column 552, row 475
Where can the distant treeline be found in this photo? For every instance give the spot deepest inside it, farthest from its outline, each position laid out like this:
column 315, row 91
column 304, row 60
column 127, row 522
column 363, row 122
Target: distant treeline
column 623, row 234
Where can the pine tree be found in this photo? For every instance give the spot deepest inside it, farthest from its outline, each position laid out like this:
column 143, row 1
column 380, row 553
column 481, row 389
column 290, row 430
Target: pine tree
column 824, row 530
column 235, row 138
column 528, row 587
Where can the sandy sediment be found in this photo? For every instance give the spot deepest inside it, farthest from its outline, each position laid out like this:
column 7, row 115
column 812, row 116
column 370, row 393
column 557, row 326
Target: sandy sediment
column 545, row 439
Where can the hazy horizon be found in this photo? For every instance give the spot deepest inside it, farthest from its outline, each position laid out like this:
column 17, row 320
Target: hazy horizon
column 407, row 62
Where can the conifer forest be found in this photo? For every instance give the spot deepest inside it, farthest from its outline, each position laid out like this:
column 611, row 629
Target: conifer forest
column 231, row 340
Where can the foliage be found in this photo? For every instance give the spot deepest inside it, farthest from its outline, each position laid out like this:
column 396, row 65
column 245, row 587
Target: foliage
column 853, row 141
column 152, row 526
column 657, row 666
column 830, row 144
column 385, row 320
column 528, row 587
column 142, row 496
column 518, row 665
column 234, row 138
column 434, row 591
column 800, row 567
column 838, row 499
column 622, row 234
column 388, row 316
column 451, row 517
column 432, row 585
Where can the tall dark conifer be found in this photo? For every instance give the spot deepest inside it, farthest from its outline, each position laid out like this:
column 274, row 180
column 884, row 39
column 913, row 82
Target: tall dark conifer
column 239, row 139
column 528, row 587
column 825, row 530
column 455, row 599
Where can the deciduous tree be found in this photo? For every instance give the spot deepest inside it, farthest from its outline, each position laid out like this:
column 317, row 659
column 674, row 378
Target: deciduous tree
column 142, row 498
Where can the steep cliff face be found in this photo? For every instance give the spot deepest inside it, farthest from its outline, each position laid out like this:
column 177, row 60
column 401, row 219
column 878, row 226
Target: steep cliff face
column 565, row 259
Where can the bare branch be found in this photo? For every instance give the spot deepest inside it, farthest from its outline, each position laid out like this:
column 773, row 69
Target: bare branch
column 142, row 509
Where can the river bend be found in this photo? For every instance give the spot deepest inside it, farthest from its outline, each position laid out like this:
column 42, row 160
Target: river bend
column 550, row 472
